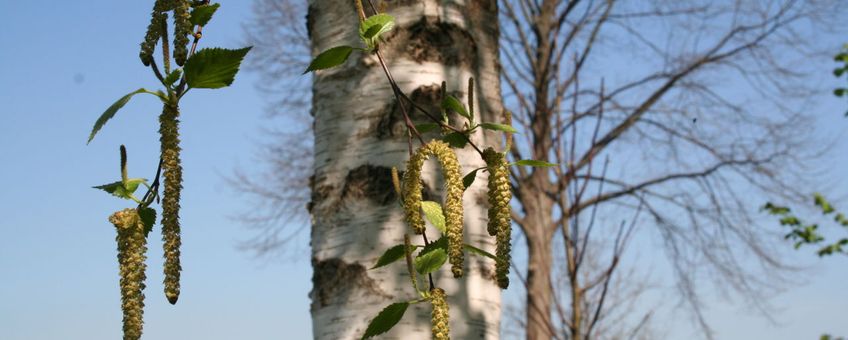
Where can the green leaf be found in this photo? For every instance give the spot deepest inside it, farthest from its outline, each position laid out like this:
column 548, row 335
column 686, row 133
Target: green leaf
column 498, row 127
column 201, row 15
column 441, row 243
column 534, row 163
column 172, row 77
column 374, row 26
column 426, row 127
column 118, row 189
column 213, row 68
column 110, row 112
column 386, row 319
column 453, row 104
column 329, row 58
column 775, row 209
column 839, row 92
column 428, row 262
column 469, row 178
column 456, row 140
column 433, row 212
column 480, row 252
column 148, row 217
column 790, row 220
column 391, row 255
column 839, row 71
column 820, row 201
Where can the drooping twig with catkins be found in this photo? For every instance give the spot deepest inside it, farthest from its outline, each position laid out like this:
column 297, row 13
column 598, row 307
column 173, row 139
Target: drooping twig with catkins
column 207, row 68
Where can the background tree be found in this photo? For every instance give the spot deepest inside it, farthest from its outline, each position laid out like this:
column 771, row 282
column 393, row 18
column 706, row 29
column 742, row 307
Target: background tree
column 700, row 108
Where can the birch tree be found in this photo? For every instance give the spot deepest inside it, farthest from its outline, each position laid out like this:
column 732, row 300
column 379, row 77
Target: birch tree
column 360, row 133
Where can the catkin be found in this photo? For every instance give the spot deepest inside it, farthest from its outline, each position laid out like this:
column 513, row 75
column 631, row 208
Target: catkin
column 453, row 202
column 154, row 32
column 132, row 246
column 440, row 320
column 500, row 224
column 173, row 173
column 396, row 180
column 182, row 29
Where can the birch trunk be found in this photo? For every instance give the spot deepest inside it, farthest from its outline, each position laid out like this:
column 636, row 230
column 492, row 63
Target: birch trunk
column 359, row 136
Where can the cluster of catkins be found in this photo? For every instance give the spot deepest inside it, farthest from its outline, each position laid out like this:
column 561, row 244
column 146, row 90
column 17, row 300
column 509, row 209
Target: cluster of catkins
column 499, row 225
column 453, row 202
column 158, row 28
column 131, row 236
column 132, row 246
column 499, row 197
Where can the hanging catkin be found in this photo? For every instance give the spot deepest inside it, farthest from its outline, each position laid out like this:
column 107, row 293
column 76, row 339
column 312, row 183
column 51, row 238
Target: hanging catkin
column 182, row 29
column 499, row 211
column 173, row 173
column 453, row 202
column 154, row 32
column 440, row 319
column 132, row 246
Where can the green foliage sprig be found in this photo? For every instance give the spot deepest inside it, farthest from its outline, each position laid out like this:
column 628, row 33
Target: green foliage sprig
column 447, row 218
column 842, row 59
column 211, row 68
column 808, row 233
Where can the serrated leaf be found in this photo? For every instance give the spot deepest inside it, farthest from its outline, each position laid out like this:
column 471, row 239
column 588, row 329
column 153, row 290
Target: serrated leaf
column 456, row 140
column 480, row 252
column 428, row 262
column 329, row 58
column 118, row 189
column 391, row 255
column 148, row 217
column 469, row 178
column 173, row 77
column 426, row 127
column 433, row 212
column 201, row 15
column 498, row 127
column 441, row 243
column 374, row 26
column 453, row 104
column 110, row 112
column 213, row 68
column 534, row 163
column 386, row 319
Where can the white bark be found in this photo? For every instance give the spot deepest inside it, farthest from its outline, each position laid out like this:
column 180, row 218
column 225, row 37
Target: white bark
column 355, row 214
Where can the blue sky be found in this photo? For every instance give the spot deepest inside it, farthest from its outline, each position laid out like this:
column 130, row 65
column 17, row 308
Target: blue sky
column 64, row 62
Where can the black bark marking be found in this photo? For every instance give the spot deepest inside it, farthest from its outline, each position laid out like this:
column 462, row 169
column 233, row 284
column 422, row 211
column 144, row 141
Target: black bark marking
column 392, row 124
column 370, row 182
column 440, row 42
column 334, row 281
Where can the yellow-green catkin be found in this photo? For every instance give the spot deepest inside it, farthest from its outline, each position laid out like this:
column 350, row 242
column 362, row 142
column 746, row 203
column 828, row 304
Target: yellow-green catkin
column 500, row 224
column 396, row 180
column 452, row 207
column 154, row 32
column 173, row 173
column 440, row 318
column 132, row 246
column 182, row 29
